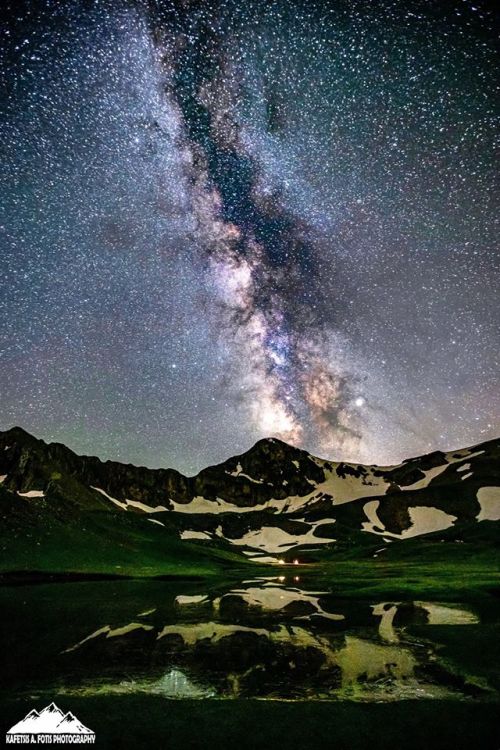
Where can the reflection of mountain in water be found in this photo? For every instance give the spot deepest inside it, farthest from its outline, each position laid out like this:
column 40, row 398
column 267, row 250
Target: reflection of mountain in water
column 267, row 638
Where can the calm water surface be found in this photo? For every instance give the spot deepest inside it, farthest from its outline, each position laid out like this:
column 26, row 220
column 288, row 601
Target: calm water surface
column 278, row 637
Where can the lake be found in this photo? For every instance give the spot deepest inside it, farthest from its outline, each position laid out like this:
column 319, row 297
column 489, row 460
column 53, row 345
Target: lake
column 274, row 638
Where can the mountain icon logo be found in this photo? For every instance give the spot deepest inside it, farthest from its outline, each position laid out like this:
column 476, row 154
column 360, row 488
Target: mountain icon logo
column 51, row 724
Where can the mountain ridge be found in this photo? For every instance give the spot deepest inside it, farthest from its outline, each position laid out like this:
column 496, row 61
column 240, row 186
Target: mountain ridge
column 18, row 432
column 263, row 505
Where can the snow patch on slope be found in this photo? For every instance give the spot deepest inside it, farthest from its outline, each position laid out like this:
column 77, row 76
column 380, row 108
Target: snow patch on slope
column 430, row 474
column 344, row 490
column 200, row 504
column 195, row 535
column 424, row 520
column 489, row 500
column 126, row 504
column 240, row 473
column 275, row 540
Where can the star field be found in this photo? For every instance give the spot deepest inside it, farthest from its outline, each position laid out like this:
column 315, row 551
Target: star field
column 223, row 221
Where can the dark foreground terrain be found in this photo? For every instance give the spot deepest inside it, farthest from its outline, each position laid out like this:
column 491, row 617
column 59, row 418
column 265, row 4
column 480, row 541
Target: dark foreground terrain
column 139, row 722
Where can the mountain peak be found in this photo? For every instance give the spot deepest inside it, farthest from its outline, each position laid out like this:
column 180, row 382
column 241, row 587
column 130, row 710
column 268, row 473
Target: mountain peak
column 17, row 433
column 291, row 492
column 273, row 444
column 272, row 467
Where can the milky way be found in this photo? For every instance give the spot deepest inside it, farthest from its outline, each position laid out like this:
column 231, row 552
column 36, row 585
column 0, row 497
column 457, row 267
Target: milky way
column 223, row 221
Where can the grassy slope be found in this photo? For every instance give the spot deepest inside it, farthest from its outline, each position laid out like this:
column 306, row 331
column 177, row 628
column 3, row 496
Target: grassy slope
column 55, row 536
column 146, row 550
column 425, row 566
column 110, row 543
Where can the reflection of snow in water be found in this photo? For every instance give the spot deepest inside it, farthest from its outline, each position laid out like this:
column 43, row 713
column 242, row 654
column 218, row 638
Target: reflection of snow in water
column 200, row 631
column 343, row 663
column 110, row 633
column 274, row 597
column 444, row 614
column 387, row 612
column 437, row 614
column 361, row 658
column 293, row 635
column 368, row 670
column 197, row 599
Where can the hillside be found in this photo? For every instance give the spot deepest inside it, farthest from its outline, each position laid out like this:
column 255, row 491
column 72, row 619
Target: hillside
column 61, row 511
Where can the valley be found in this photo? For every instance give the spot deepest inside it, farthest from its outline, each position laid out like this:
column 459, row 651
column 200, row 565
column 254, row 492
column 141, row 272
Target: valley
column 274, row 590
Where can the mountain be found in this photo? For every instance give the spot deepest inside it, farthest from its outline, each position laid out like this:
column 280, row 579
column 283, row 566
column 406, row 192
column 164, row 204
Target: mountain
column 272, row 502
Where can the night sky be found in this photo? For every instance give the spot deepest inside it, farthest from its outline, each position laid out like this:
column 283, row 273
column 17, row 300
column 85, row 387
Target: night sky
column 228, row 220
